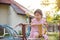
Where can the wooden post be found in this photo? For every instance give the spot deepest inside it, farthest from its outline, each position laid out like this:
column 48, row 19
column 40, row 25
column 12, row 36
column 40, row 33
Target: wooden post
column 23, row 32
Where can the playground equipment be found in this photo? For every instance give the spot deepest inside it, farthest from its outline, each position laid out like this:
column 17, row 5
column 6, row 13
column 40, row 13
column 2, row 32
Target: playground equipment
column 28, row 30
column 11, row 33
column 26, row 35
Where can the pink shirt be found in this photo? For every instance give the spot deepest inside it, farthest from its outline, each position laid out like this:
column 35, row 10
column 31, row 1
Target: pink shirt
column 34, row 21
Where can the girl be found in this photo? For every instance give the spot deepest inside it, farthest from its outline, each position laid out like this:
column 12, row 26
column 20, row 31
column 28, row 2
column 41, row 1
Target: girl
column 35, row 22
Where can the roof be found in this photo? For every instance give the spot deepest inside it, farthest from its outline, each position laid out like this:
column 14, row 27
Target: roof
column 5, row 1
column 17, row 7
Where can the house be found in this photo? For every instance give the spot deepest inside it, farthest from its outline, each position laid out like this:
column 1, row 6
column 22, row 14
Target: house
column 12, row 13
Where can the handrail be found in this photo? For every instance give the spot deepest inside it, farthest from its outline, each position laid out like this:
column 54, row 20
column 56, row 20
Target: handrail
column 24, row 28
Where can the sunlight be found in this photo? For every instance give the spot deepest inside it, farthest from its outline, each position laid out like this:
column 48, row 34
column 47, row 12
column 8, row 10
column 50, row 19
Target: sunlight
column 32, row 5
column 35, row 4
column 58, row 12
column 52, row 1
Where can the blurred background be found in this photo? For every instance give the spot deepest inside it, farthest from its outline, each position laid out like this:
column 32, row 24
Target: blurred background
column 13, row 12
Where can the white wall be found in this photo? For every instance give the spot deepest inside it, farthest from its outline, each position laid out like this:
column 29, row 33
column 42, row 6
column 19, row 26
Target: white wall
column 9, row 16
column 15, row 18
column 4, row 19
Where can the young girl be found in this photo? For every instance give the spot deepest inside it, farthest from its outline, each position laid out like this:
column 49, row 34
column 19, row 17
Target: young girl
column 35, row 22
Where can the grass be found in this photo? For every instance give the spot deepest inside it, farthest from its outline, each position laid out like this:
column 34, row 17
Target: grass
column 52, row 38
column 53, row 35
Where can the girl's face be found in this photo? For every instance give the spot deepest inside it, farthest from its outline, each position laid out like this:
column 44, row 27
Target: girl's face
column 38, row 16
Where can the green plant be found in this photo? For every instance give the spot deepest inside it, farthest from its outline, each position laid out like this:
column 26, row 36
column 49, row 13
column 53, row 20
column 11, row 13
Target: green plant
column 6, row 35
column 1, row 34
column 20, row 32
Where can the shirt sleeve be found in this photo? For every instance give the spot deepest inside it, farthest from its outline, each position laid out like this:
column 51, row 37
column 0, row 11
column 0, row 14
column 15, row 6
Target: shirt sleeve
column 32, row 21
column 44, row 21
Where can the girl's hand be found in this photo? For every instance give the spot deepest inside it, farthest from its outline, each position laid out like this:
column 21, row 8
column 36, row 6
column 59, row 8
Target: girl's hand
column 34, row 24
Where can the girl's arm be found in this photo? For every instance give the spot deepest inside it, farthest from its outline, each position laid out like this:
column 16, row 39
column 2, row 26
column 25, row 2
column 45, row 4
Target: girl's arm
column 46, row 24
column 34, row 24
